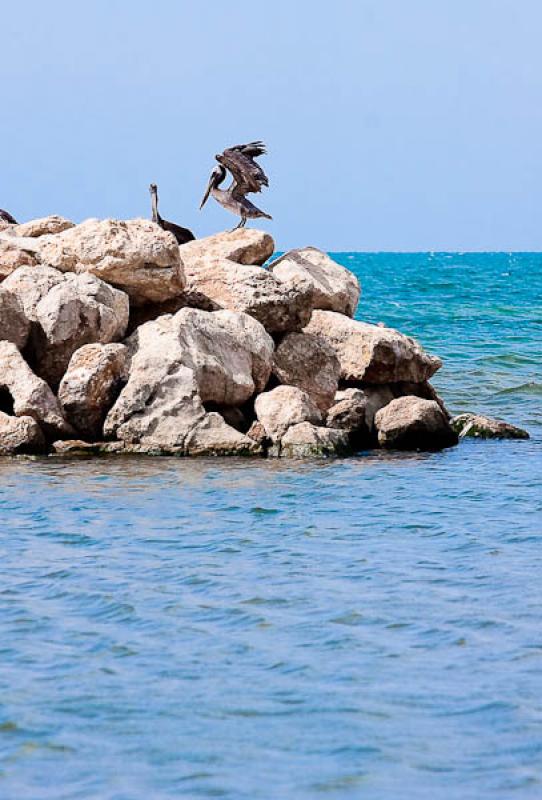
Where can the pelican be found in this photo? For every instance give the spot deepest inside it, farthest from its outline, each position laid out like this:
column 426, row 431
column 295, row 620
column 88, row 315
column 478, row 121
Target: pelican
column 5, row 216
column 248, row 177
column 182, row 235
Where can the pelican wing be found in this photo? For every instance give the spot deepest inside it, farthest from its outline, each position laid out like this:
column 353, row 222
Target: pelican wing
column 248, row 176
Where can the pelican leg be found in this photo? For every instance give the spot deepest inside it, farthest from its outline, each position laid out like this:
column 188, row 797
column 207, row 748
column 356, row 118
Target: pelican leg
column 241, row 224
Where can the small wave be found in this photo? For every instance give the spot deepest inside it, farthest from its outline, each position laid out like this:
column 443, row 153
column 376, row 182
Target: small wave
column 524, row 388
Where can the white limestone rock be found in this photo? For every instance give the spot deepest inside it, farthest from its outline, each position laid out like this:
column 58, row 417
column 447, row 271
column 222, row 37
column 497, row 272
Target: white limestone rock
column 331, row 286
column 282, row 407
column 371, row 353
column 134, row 255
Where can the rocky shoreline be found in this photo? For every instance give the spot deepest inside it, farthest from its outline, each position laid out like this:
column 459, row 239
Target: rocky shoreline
column 113, row 339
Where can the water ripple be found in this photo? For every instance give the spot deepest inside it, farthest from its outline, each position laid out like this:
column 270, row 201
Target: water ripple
column 362, row 628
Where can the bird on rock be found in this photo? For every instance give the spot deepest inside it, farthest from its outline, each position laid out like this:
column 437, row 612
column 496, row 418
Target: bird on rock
column 247, row 177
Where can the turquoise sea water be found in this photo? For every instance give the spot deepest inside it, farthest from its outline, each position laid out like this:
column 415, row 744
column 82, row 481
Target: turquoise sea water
column 368, row 628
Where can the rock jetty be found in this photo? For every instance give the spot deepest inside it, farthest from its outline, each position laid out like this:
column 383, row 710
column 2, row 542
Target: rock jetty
column 113, row 339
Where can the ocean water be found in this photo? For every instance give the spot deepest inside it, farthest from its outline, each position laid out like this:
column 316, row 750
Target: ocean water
column 367, row 628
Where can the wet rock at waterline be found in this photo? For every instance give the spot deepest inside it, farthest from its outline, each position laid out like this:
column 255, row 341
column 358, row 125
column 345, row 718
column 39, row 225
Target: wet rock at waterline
column 412, row 423
column 283, row 407
column 20, row 436
column 91, row 385
column 24, row 394
column 309, row 441
column 476, row 426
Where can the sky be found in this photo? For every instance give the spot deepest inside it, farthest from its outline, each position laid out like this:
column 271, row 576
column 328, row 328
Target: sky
column 391, row 124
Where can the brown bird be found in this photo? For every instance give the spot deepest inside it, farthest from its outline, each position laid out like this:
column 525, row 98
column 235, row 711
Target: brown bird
column 182, row 235
column 248, row 177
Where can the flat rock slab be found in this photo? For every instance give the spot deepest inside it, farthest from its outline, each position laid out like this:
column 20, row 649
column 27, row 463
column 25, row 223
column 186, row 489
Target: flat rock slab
column 477, row 426
column 42, row 227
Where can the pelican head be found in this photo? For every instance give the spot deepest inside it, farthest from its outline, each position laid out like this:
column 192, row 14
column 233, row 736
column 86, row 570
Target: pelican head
column 217, row 176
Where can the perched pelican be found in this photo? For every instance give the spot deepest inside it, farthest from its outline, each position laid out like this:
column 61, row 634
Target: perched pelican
column 182, row 235
column 5, row 216
column 248, row 177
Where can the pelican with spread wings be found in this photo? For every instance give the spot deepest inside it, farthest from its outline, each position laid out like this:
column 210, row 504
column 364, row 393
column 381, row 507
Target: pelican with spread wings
column 247, row 176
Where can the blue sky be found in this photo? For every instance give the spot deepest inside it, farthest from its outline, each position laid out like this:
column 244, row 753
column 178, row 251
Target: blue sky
column 391, row 124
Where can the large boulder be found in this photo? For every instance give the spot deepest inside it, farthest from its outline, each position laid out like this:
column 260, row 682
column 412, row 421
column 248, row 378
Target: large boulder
column 308, row 441
column 223, row 272
column 14, row 325
column 371, row 353
column 231, row 353
column 28, row 395
column 180, row 362
column 424, row 390
column 249, row 289
column 135, row 255
column 477, row 426
column 82, row 309
column 91, row 385
column 159, row 406
column 309, row 363
column 330, row 285
column 283, row 407
column 41, row 227
column 411, row 423
column 66, row 312
column 13, row 256
column 31, row 284
column 20, row 435
column 243, row 246
column 172, row 420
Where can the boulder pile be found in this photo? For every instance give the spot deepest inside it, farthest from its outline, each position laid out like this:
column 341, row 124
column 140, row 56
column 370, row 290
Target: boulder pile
column 113, row 339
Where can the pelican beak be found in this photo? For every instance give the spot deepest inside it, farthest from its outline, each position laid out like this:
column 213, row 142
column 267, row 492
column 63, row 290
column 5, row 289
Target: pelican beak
column 207, row 192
